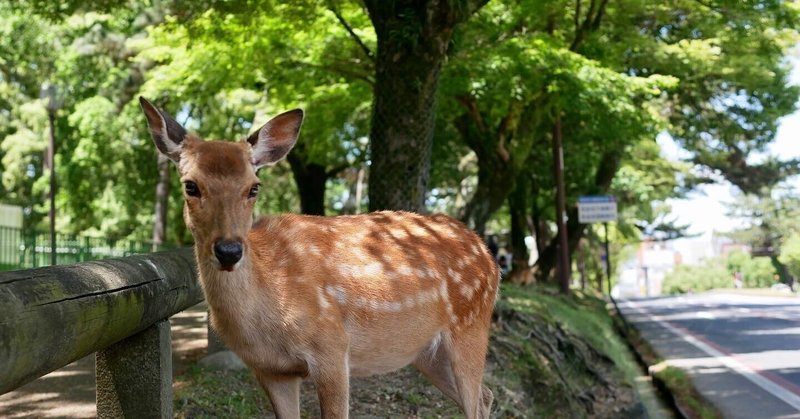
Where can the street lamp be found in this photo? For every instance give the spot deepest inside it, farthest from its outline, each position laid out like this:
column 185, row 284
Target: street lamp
column 50, row 92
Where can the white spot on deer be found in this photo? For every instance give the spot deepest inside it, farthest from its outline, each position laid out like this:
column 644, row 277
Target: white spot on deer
column 461, row 263
column 323, row 302
column 425, row 297
column 415, row 230
column 446, row 297
column 398, row 233
column 431, row 273
column 467, row 291
column 373, row 269
column 314, row 250
column 337, row 292
column 409, row 302
column 360, row 302
column 405, row 270
column 476, row 250
column 394, row 306
column 358, row 253
column 453, row 275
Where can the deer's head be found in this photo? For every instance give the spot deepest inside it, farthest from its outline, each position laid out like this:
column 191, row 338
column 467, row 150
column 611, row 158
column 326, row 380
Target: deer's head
column 219, row 179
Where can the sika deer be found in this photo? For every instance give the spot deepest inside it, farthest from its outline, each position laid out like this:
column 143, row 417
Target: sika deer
column 329, row 297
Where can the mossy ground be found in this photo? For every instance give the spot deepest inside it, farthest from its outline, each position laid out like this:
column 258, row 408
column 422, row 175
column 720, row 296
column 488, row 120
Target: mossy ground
column 550, row 356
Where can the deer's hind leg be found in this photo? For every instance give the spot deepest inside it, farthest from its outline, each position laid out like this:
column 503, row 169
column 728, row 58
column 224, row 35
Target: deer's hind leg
column 456, row 365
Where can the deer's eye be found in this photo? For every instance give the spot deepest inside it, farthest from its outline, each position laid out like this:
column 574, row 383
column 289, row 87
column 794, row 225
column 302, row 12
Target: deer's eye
column 191, row 188
column 253, row 191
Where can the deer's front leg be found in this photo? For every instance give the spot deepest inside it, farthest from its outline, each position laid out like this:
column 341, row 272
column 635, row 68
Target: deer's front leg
column 284, row 393
column 332, row 379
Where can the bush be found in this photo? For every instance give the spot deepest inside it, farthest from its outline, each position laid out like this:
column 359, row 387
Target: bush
column 712, row 274
column 790, row 255
column 757, row 272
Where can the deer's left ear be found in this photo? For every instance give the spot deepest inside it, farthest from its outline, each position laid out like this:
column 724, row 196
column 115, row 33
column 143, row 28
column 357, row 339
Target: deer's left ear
column 167, row 134
column 276, row 138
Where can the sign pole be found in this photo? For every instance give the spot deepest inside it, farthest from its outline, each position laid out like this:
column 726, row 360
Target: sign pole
column 561, row 213
column 608, row 258
column 599, row 209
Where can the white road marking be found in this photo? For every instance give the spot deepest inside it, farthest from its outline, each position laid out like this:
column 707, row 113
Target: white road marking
column 769, row 386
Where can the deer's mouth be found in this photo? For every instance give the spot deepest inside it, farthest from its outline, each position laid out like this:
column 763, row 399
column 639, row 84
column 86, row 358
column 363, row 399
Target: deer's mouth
column 227, row 268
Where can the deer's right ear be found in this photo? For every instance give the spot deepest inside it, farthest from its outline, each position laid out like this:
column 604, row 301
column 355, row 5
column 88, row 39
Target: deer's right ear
column 166, row 132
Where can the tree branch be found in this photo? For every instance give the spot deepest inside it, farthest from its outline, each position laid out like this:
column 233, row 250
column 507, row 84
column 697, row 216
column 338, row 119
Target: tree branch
column 370, row 55
column 472, row 110
column 590, row 23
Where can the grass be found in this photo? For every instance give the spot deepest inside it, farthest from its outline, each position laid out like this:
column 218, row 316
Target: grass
column 580, row 313
column 200, row 393
column 684, row 392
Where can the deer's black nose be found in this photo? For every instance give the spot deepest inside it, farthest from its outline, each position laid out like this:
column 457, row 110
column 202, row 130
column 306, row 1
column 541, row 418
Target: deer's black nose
column 228, row 252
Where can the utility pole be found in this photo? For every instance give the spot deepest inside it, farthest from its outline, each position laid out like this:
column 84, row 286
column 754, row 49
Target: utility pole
column 561, row 214
column 50, row 92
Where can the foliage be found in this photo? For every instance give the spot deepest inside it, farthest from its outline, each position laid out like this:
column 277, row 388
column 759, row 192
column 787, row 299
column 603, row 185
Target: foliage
column 690, row 278
column 790, row 254
column 710, row 75
column 757, row 272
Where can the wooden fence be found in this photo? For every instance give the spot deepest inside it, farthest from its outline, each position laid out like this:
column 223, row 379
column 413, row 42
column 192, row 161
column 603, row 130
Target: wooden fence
column 119, row 308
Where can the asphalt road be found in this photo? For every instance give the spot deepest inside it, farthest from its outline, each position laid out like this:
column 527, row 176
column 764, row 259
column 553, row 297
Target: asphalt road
column 742, row 351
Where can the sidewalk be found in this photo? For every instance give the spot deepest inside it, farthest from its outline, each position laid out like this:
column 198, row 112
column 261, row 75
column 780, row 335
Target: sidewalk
column 70, row 391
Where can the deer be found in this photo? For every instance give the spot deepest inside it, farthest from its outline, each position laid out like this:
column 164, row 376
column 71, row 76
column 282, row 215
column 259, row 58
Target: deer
column 329, row 298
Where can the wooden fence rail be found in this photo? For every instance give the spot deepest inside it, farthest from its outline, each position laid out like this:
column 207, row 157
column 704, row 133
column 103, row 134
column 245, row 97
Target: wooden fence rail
column 119, row 308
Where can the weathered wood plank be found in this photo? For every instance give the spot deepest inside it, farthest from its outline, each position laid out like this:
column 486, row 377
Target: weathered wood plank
column 52, row 316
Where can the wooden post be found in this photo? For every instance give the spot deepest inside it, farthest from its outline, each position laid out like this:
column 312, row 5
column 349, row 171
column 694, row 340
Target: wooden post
column 562, row 253
column 134, row 376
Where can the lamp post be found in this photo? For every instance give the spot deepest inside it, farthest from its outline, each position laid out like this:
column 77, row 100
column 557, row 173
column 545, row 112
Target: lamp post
column 50, row 92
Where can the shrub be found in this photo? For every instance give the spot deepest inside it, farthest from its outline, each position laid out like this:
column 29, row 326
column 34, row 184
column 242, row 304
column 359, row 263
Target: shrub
column 711, row 274
column 790, row 255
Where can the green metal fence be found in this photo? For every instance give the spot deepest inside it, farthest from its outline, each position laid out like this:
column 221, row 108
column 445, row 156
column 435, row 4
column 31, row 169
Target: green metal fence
column 21, row 251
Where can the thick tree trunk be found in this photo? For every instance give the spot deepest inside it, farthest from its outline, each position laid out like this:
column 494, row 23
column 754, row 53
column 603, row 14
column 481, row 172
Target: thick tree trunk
column 495, row 182
column 310, row 179
column 162, row 201
column 413, row 37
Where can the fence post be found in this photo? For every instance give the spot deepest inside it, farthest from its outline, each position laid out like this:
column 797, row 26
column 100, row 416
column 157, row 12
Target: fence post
column 134, row 376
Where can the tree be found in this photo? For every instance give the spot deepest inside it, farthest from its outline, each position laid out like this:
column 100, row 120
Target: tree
column 413, row 39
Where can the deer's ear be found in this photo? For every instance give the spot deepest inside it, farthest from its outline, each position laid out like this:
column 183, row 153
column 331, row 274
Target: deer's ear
column 167, row 133
column 274, row 140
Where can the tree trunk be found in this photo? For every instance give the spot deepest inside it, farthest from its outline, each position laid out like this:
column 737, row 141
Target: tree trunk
column 310, row 179
column 413, row 37
column 162, row 201
column 518, row 207
column 495, row 182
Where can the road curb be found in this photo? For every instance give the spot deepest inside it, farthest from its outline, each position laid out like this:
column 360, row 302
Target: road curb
column 648, row 360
